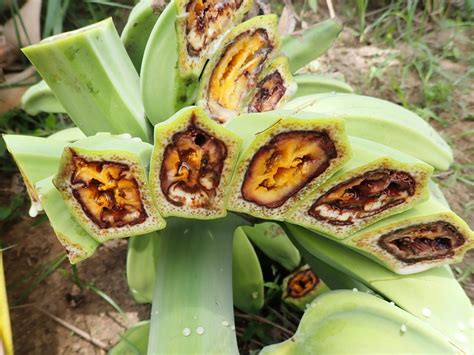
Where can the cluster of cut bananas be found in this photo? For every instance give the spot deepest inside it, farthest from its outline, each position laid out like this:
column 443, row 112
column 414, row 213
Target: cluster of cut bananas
column 235, row 131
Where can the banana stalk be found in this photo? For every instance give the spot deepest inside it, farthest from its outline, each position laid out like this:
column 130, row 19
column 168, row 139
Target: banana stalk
column 232, row 72
column 133, row 341
column 304, row 47
column 424, row 294
column 192, row 164
column 79, row 245
column 103, row 182
column 341, row 322
column 311, row 148
column 137, row 31
column 272, row 240
column 247, row 277
column 376, row 183
column 192, row 304
column 301, row 287
column 141, row 266
column 382, row 122
column 6, row 342
column 39, row 98
column 36, row 158
column 275, row 85
column 93, row 79
column 310, row 84
column 424, row 237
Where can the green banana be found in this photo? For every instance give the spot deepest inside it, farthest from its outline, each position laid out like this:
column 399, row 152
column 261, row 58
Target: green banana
column 69, row 135
column 158, row 75
column 377, row 182
column 231, row 73
column 192, row 302
column 39, row 98
column 275, row 85
column 344, row 322
column 301, row 287
column 423, row 294
column 133, row 341
column 424, row 237
column 36, row 158
column 192, row 163
column 93, row 76
column 247, row 277
column 141, row 266
column 272, row 240
column 304, row 47
column 103, row 182
column 79, row 245
column 312, row 148
column 6, row 342
column 310, row 84
column 382, row 122
column 137, row 31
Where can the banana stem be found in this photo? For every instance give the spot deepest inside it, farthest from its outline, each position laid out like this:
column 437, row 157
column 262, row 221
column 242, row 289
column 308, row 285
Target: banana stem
column 192, row 303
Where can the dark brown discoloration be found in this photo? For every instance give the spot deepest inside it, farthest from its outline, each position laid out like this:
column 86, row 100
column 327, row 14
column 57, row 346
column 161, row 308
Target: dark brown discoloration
column 206, row 21
column 269, row 93
column 302, row 283
column 285, row 165
column 363, row 196
column 192, row 167
column 430, row 241
column 107, row 192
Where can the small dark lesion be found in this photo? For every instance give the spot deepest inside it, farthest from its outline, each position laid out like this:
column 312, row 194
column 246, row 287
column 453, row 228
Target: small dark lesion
column 108, row 193
column 302, row 283
column 363, row 196
column 192, row 167
column 429, row 241
column 270, row 91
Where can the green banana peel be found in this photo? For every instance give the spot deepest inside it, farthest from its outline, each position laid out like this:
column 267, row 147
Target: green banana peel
column 103, row 181
column 93, row 79
column 6, row 342
column 141, row 266
column 423, row 294
column 382, row 122
column 301, row 287
column 310, row 84
column 344, row 322
column 138, row 29
column 36, row 158
column 40, row 98
column 133, row 341
column 192, row 303
column 79, row 245
column 272, row 240
column 294, row 137
column 231, row 73
column 247, row 277
column 192, row 163
column 404, row 183
column 304, row 47
column 68, row 135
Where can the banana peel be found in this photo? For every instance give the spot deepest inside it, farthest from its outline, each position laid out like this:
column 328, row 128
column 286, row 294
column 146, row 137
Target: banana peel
column 6, row 342
column 40, row 98
column 310, row 84
column 134, row 340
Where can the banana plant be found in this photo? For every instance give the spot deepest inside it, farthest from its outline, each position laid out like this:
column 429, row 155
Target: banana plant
column 229, row 157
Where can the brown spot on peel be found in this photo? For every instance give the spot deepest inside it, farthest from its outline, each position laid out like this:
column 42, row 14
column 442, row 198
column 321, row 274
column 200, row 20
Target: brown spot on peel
column 285, row 165
column 270, row 90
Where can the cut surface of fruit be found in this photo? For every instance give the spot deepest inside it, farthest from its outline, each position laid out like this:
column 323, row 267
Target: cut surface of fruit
column 363, row 196
column 238, row 67
column 192, row 168
column 206, row 20
column 303, row 282
column 107, row 192
column 420, row 242
column 285, row 165
column 270, row 90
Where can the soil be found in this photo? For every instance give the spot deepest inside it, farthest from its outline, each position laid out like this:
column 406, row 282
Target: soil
column 37, row 333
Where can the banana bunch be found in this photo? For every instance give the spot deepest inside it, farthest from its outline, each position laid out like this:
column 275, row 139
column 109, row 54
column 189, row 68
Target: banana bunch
column 6, row 343
column 349, row 168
